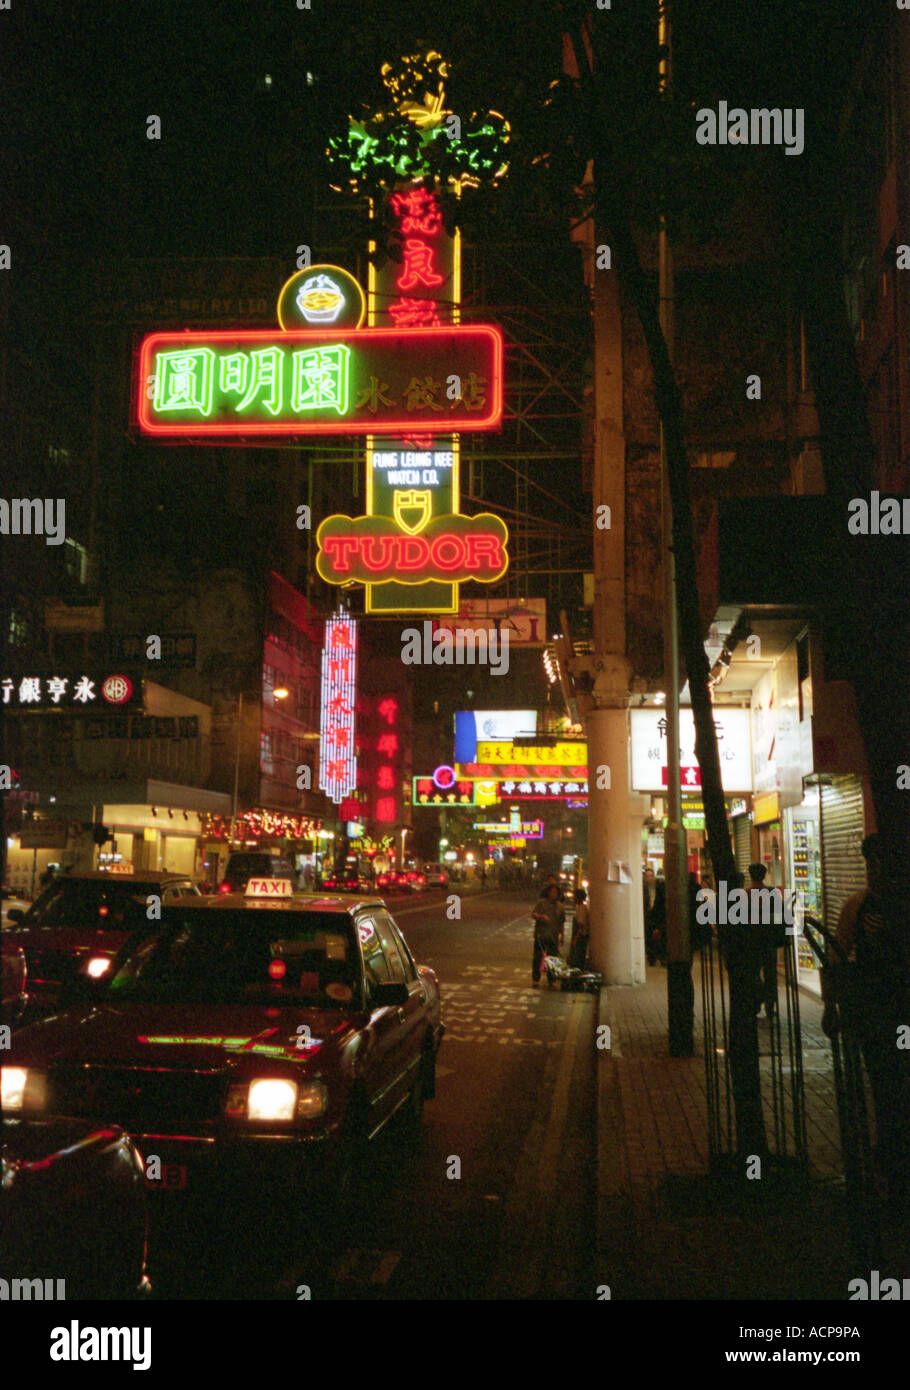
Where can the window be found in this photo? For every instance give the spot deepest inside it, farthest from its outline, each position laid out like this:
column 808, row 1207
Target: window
column 18, row 628
column 376, row 966
column 393, row 940
column 75, row 561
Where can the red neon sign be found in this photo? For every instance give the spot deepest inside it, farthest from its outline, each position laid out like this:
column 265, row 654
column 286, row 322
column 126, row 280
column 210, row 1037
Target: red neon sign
column 250, row 384
column 371, row 549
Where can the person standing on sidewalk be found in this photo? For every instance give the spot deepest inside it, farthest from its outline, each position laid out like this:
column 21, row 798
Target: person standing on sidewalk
column 767, row 921
column 873, row 992
column 581, row 930
column 549, row 916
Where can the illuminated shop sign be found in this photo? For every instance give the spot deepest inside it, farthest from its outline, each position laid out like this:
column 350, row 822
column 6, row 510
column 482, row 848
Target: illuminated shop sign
column 71, row 692
column 523, row 772
column 320, row 296
column 337, row 759
column 427, row 792
column 258, row 825
column 569, row 752
column 528, row 830
column 252, row 384
column 649, row 749
column 414, row 490
column 372, row 550
column 471, row 725
column 540, row 790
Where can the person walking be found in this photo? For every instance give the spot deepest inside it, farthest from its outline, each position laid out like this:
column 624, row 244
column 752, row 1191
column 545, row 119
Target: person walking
column 549, row 917
column 871, row 988
column 581, row 931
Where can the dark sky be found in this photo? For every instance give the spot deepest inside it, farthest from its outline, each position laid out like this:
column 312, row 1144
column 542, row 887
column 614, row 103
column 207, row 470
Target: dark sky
column 238, row 164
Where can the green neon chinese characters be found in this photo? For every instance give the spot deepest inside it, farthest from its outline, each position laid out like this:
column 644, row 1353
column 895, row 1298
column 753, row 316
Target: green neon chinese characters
column 197, row 381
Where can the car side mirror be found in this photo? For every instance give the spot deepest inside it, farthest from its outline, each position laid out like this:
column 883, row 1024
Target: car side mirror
column 16, row 914
column 390, row 996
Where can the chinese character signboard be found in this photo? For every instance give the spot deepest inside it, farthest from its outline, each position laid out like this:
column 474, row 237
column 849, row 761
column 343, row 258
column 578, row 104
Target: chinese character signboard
column 386, row 762
column 337, row 759
column 247, row 385
column 649, row 750
column 540, row 789
column 427, row 792
column 70, row 691
column 413, row 490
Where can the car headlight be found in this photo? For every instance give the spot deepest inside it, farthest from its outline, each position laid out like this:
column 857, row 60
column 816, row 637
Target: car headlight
column 22, row 1088
column 276, row 1099
column 97, row 966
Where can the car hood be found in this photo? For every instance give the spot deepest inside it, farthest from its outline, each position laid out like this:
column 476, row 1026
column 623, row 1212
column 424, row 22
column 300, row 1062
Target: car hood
column 179, row 1035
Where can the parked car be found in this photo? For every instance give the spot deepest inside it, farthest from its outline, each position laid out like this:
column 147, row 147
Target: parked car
column 74, row 1208
column 245, row 1030
column 243, row 865
column 80, row 922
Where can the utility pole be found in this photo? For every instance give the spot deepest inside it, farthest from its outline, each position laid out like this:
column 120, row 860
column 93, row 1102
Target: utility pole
column 237, row 765
column 680, row 1004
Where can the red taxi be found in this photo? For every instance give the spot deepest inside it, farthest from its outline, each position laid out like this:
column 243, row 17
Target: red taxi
column 243, row 1025
column 78, row 924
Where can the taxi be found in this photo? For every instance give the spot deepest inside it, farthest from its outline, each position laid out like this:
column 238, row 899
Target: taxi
column 240, row 1025
column 79, row 923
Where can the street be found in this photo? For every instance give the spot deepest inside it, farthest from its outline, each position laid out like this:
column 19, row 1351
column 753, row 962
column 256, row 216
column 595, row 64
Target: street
column 513, row 1116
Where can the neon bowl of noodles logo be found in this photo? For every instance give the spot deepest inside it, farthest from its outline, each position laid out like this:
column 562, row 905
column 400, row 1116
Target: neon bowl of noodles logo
column 116, row 690
column 320, row 299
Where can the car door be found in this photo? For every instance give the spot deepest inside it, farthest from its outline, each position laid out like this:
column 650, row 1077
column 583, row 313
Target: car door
column 412, row 1014
column 383, row 1077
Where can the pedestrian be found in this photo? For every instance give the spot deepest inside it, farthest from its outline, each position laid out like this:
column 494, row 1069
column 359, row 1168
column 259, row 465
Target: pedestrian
column 655, row 915
column 766, row 919
column 870, row 987
column 581, row 930
column 549, row 917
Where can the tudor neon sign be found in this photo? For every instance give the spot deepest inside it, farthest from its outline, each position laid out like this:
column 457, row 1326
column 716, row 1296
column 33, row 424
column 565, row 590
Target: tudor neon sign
column 251, row 383
column 373, row 550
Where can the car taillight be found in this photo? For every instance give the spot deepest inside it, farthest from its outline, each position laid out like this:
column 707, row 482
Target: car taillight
column 225, row 888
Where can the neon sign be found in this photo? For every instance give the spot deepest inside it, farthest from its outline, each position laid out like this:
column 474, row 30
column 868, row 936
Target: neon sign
column 426, row 791
column 250, row 384
column 321, row 294
column 372, row 550
column 337, row 758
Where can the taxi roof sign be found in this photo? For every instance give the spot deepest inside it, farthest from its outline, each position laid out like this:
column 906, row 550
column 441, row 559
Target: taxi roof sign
column 269, row 888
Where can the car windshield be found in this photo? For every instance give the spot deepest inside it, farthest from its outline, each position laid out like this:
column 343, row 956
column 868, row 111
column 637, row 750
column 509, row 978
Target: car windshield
column 242, row 956
column 252, row 864
column 97, row 904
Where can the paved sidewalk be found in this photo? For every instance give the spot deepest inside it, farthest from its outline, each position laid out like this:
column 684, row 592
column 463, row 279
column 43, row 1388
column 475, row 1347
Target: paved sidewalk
column 667, row 1230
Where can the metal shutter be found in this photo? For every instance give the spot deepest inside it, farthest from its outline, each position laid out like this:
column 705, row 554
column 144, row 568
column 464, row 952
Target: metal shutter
column 842, row 829
column 742, row 842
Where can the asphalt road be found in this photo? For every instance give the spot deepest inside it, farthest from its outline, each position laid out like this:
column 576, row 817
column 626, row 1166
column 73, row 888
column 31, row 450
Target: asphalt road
column 495, row 1201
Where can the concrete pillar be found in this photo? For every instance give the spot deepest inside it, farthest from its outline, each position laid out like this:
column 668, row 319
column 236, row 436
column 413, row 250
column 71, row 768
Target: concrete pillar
column 615, row 818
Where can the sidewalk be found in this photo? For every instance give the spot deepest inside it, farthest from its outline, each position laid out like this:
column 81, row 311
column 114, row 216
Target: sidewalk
column 668, row 1231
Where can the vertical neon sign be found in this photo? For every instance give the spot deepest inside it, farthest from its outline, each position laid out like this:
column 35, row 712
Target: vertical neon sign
column 337, row 759
column 421, row 290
